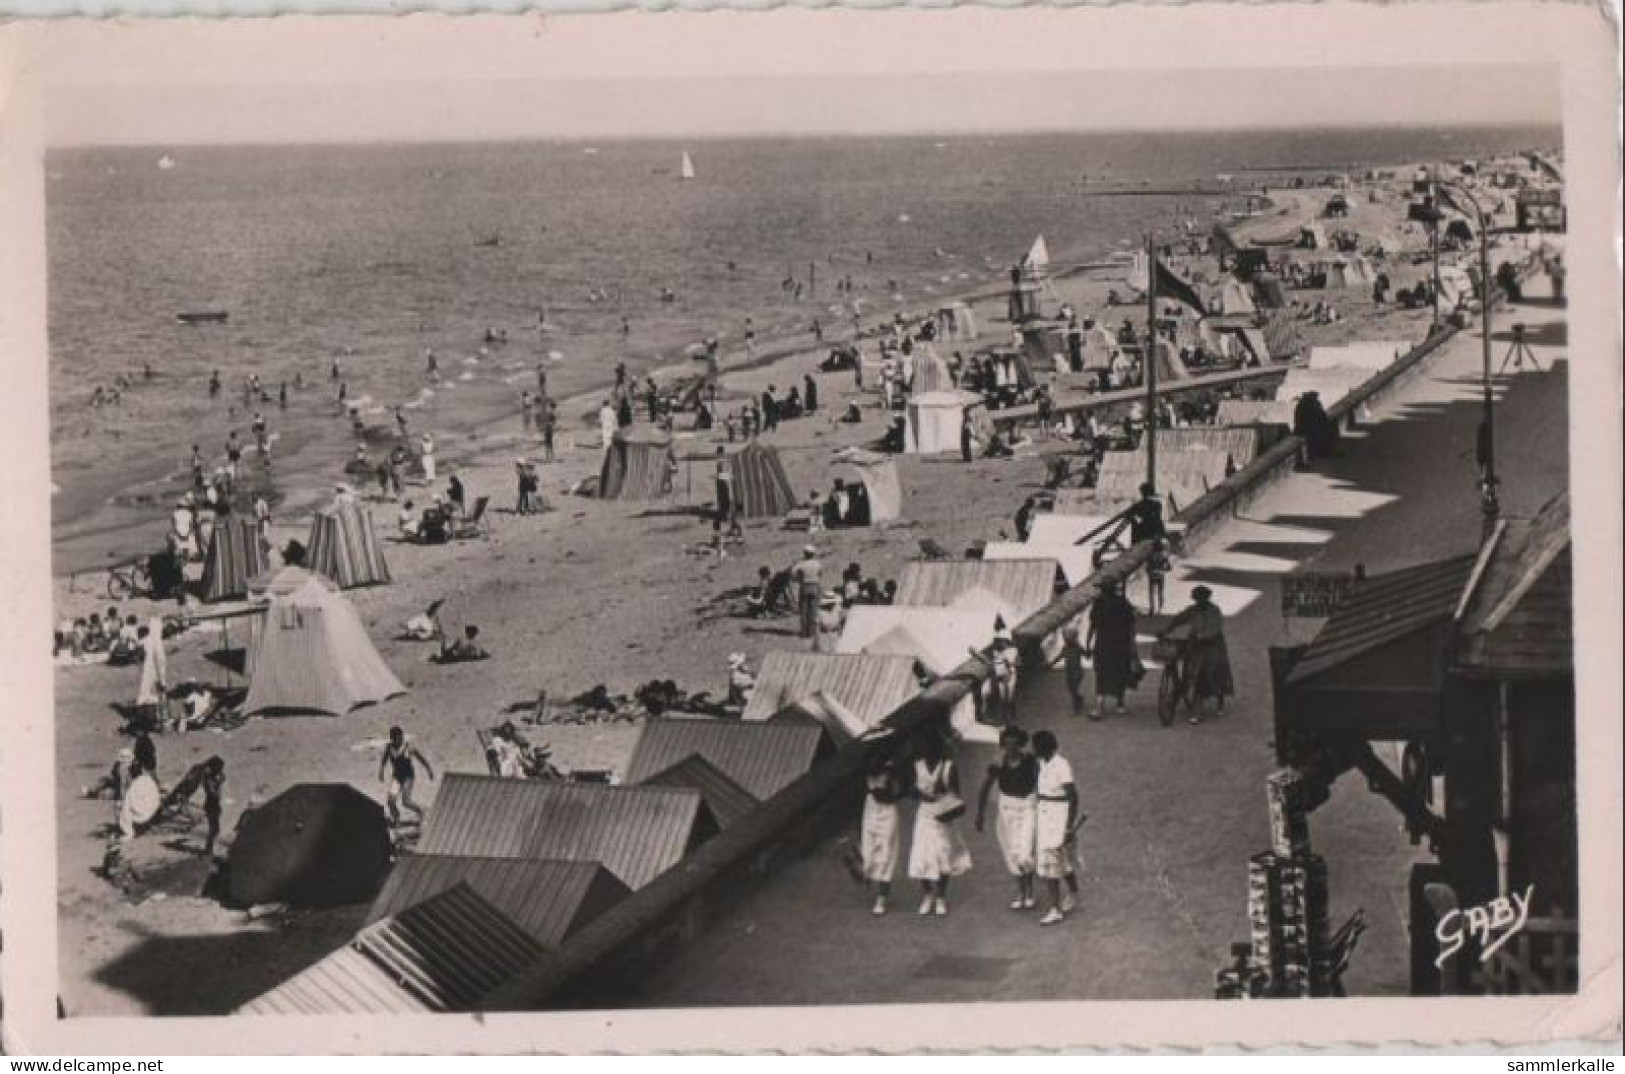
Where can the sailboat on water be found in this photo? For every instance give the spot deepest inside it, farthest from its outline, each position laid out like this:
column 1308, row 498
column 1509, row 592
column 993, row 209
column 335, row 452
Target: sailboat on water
column 688, row 166
column 166, row 162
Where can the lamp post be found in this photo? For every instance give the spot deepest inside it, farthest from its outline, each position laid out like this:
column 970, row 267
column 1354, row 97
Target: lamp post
column 1489, row 498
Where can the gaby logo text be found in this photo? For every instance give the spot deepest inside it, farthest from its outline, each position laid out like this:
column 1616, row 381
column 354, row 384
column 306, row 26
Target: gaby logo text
column 1491, row 925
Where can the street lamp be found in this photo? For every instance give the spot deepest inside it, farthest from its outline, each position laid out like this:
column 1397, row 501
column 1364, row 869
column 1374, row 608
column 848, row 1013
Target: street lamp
column 1489, row 498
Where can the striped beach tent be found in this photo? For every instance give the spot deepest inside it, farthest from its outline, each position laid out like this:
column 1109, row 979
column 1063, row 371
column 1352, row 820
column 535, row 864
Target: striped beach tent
column 344, row 547
column 309, row 653
column 235, row 556
column 637, row 466
column 931, row 372
column 760, row 485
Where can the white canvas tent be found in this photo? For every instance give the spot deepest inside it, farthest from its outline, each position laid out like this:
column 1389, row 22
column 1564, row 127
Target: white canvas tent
column 310, row 653
column 956, row 323
column 934, row 419
column 1332, row 384
column 1055, row 537
column 879, row 476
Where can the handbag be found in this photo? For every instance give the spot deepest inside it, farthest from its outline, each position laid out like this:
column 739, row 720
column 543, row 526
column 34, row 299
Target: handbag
column 949, row 807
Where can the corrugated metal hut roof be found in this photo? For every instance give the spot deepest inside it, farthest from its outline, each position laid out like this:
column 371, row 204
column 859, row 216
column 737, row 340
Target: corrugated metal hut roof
column 761, row 757
column 1517, row 617
column 442, row 955
column 727, row 800
column 1332, row 384
column 1091, row 502
column 1383, row 609
column 1174, row 465
column 1025, row 584
column 637, row 832
column 548, row 899
column 870, row 687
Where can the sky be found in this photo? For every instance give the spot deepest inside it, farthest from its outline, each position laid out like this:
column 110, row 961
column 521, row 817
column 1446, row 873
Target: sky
column 803, row 73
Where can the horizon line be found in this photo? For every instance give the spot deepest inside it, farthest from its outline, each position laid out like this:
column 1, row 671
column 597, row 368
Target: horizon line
column 811, row 135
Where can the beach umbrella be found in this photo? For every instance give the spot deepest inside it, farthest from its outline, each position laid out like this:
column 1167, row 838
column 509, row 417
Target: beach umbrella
column 315, row 844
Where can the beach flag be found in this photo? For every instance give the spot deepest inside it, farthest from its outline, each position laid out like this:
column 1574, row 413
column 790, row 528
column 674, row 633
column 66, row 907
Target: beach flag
column 1168, row 283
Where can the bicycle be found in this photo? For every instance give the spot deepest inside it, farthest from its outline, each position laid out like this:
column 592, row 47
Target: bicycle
column 1175, row 687
column 129, row 579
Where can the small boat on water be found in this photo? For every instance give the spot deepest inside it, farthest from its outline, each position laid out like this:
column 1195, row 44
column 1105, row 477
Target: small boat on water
column 203, row 317
column 688, row 167
column 166, row 162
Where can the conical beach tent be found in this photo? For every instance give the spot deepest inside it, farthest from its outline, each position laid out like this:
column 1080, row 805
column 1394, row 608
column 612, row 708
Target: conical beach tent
column 760, row 483
column 344, row 547
column 637, row 466
column 310, row 654
column 235, row 556
column 931, row 373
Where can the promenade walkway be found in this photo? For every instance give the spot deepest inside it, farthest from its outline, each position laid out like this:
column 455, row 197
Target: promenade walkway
column 1175, row 813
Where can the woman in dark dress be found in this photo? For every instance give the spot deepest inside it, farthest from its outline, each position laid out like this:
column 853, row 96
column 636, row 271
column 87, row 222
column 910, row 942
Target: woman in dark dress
column 1111, row 640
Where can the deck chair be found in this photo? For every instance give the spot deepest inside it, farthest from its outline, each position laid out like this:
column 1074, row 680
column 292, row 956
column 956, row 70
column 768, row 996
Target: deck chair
column 474, row 525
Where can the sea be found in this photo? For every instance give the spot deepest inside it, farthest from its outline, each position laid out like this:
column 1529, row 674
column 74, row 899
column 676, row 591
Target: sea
column 579, row 255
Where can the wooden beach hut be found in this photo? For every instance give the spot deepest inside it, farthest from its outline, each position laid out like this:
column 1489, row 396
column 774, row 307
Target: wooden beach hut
column 868, row 687
column 636, row 832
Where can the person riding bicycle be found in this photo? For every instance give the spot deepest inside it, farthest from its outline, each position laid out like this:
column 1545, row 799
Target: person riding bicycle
column 1203, row 652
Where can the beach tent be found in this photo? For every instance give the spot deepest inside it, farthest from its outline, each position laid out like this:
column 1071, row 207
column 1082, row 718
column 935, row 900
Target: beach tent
column 879, row 476
column 549, row 900
column 1099, row 348
column 956, row 322
column 934, row 419
column 1312, row 237
column 1351, row 271
column 1092, row 502
column 761, row 488
column 315, row 844
column 867, row 686
column 235, row 556
column 637, row 466
column 930, row 372
column 443, row 955
column 309, row 653
column 1234, row 297
column 1282, row 336
column 1371, row 356
column 636, row 832
column 344, row 546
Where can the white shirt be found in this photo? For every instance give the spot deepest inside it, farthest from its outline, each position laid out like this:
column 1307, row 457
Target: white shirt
column 1053, row 776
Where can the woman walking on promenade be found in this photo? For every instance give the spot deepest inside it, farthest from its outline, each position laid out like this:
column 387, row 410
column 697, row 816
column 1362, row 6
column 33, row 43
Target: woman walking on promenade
column 938, row 853
column 1015, row 773
column 882, row 825
column 1058, row 818
column 1111, row 639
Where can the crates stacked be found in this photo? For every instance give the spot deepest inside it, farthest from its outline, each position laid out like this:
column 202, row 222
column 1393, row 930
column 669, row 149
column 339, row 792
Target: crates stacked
column 1288, row 896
